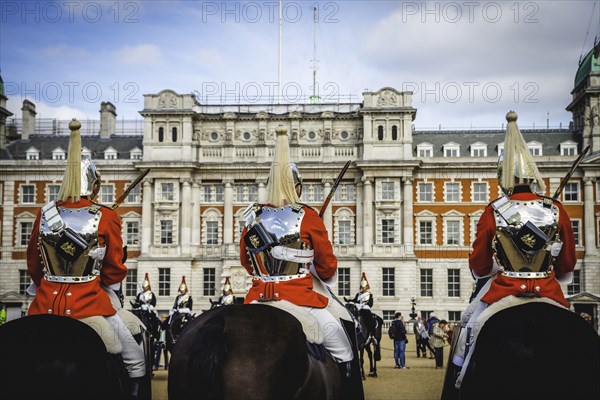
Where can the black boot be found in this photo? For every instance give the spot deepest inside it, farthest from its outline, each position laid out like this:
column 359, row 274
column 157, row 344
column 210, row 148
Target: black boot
column 351, row 379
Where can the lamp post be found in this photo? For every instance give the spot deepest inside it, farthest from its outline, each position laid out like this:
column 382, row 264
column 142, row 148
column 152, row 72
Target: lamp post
column 413, row 314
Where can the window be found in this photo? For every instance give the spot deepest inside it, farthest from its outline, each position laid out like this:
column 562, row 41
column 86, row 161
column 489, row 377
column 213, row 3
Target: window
column 25, row 232
column 479, row 150
column 424, row 150
column 425, row 192
column 575, row 286
column 344, row 235
column 571, row 191
column 53, row 192
column 246, row 193
column 568, row 150
column 131, row 282
column 454, row 283
column 425, row 232
column 161, row 134
column 58, row 154
column 454, row 316
column 212, row 232
column 166, row 232
column 107, row 194
column 27, row 194
column 387, row 190
column 388, row 315
column 252, row 193
column 535, row 148
column 164, row 281
column 452, row 192
column 451, row 150
column 453, row 232
column 380, row 132
column 479, row 192
column 166, row 192
column 208, row 281
column 343, row 281
column 174, row 134
column 24, row 281
column 32, row 154
column 394, row 132
column 426, row 282
column 135, row 195
column 132, row 233
column 135, row 154
column 575, row 223
column 389, row 281
column 387, row 231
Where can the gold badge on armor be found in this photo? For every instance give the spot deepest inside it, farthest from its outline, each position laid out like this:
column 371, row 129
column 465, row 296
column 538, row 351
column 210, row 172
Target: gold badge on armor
column 255, row 241
column 68, row 248
column 529, row 240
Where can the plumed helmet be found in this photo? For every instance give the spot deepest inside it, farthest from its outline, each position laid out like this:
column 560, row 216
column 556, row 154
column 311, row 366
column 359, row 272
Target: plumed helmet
column 281, row 189
column 364, row 283
column 227, row 290
column 146, row 285
column 89, row 176
column 516, row 165
column 183, row 287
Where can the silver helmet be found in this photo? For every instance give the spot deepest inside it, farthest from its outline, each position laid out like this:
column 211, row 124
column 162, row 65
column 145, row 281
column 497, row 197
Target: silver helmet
column 89, row 176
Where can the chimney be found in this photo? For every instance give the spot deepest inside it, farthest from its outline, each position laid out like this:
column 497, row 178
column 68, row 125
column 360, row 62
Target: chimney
column 29, row 113
column 108, row 119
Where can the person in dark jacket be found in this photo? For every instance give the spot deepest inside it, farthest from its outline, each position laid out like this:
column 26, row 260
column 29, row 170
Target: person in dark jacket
column 399, row 336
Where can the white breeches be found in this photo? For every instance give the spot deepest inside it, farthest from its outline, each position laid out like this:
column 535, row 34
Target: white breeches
column 133, row 353
column 334, row 336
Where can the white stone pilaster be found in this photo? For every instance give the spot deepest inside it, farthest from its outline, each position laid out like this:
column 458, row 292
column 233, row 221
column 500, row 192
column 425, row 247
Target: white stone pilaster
column 262, row 190
column 328, row 215
column 196, row 195
column 589, row 219
column 368, row 214
column 186, row 213
column 8, row 219
column 228, row 212
column 407, row 217
column 359, row 213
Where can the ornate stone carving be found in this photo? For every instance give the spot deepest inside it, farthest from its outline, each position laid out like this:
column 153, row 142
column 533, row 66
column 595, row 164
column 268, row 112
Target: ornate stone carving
column 238, row 279
column 387, row 98
column 167, row 100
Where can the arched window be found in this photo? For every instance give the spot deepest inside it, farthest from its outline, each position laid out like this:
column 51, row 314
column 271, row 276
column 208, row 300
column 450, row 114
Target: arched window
column 174, row 134
column 394, row 132
column 161, row 134
column 380, row 132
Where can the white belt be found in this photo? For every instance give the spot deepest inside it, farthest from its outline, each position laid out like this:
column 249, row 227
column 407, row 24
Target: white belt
column 279, row 278
column 528, row 275
column 293, row 255
column 70, row 279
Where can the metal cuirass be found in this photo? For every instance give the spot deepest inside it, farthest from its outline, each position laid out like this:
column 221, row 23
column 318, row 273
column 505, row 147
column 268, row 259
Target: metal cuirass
column 183, row 301
column 84, row 223
column 363, row 298
column 526, row 242
column 146, row 297
column 273, row 241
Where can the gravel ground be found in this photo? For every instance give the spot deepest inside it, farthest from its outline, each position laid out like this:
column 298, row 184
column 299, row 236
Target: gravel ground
column 420, row 382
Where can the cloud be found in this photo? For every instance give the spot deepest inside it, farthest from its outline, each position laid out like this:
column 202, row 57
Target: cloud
column 139, row 55
column 63, row 50
column 45, row 111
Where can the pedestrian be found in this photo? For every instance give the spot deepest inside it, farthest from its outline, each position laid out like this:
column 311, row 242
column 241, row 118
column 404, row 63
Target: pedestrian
column 398, row 334
column 438, row 339
column 161, row 344
column 421, row 348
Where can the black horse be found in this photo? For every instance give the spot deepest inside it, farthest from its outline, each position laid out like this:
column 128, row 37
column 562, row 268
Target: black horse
column 53, row 357
column 249, row 352
column 531, row 351
column 369, row 337
column 177, row 323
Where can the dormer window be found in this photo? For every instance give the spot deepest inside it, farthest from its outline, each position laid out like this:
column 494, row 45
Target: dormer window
column 500, row 148
column 535, row 148
column 110, row 154
column 58, row 154
column 478, row 150
column 424, row 150
column 85, row 152
column 568, row 148
column 451, row 150
column 135, row 153
column 32, row 154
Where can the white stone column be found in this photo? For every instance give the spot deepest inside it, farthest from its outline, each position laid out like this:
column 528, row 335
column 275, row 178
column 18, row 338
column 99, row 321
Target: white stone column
column 407, row 214
column 589, row 219
column 262, row 190
column 147, row 212
column 186, row 214
column 359, row 214
column 328, row 215
column 367, row 214
column 196, row 197
column 228, row 212
column 8, row 219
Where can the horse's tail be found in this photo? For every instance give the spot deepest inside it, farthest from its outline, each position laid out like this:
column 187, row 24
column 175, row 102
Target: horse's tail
column 206, row 358
column 378, row 331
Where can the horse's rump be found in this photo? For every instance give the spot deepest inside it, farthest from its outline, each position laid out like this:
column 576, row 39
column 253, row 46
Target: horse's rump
column 53, row 357
column 247, row 351
column 535, row 350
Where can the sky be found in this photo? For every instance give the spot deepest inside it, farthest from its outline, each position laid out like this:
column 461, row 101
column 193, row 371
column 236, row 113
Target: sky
column 467, row 62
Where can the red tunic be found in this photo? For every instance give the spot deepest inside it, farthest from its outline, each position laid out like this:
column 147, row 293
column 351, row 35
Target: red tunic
column 480, row 260
column 298, row 291
column 79, row 300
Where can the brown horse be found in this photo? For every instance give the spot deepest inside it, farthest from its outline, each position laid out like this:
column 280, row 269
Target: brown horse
column 531, row 351
column 249, row 351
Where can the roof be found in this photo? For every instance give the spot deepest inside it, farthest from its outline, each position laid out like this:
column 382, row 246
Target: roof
column 550, row 139
column 590, row 63
column 17, row 149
